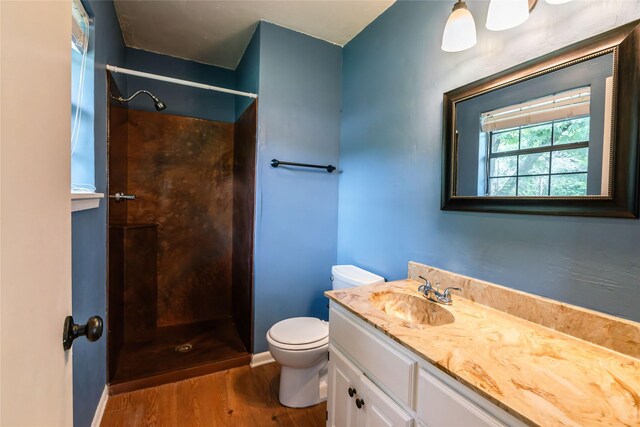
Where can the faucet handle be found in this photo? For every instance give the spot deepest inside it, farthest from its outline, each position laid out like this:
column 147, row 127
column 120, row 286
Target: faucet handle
column 426, row 286
column 445, row 297
column 447, row 292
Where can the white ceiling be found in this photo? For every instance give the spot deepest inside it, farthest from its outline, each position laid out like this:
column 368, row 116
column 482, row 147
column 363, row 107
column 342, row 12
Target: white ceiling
column 217, row 32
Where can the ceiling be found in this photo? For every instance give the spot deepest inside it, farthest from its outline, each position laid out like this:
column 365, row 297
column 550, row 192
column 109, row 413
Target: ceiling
column 217, row 32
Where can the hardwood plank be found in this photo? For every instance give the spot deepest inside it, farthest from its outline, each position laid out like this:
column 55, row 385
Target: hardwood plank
column 250, row 397
column 129, row 417
column 188, row 407
column 232, row 398
column 218, row 402
column 150, row 403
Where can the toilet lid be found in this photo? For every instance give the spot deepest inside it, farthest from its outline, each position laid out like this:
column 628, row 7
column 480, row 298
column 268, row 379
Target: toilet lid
column 299, row 330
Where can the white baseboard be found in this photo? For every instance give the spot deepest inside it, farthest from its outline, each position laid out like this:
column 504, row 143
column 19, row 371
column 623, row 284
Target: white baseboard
column 102, row 404
column 260, row 359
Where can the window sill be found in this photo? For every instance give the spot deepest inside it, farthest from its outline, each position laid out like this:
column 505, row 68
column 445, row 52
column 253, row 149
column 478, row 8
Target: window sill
column 84, row 201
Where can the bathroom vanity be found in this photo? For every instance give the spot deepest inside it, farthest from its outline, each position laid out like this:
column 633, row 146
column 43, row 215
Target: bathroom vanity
column 494, row 357
column 374, row 381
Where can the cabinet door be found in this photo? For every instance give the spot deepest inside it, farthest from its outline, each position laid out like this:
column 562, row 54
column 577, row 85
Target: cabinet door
column 376, row 354
column 440, row 406
column 343, row 376
column 377, row 409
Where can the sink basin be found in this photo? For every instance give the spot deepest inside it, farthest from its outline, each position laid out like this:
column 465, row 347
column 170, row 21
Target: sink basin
column 411, row 308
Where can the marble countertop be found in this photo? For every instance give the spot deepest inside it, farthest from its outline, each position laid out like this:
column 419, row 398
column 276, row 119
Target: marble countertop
column 541, row 376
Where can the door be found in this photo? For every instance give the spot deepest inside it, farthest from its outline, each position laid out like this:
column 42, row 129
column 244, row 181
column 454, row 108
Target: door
column 35, row 213
column 343, row 379
column 376, row 409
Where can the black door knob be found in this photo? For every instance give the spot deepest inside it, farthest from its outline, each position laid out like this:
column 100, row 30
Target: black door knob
column 92, row 330
column 359, row 403
column 352, row 392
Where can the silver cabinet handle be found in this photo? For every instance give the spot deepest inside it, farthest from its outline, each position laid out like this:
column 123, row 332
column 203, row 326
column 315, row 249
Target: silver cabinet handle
column 121, row 196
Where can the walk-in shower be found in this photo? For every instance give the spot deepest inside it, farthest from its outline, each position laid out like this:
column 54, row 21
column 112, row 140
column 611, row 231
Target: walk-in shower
column 180, row 252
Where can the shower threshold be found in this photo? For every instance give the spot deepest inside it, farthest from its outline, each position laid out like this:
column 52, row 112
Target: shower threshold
column 177, row 353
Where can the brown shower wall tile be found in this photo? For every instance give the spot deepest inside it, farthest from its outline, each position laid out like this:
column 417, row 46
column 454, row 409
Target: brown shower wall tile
column 244, row 169
column 115, row 293
column 181, row 169
column 135, row 247
column 117, row 124
column 117, row 148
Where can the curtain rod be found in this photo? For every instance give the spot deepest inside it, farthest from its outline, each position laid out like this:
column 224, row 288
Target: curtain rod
column 115, row 69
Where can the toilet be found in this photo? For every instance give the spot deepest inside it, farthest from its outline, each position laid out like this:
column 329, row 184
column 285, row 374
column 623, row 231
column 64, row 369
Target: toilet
column 301, row 346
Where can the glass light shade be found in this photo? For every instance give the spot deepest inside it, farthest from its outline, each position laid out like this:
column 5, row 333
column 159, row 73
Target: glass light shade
column 557, row 1
column 460, row 30
column 505, row 14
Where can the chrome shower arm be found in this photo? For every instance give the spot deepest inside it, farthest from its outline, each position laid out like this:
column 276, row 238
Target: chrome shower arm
column 158, row 104
column 122, row 100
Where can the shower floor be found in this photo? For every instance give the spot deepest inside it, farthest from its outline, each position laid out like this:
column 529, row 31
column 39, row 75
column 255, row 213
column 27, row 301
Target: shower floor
column 215, row 346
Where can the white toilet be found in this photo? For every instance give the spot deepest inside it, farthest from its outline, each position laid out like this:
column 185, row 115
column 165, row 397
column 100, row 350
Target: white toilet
column 301, row 346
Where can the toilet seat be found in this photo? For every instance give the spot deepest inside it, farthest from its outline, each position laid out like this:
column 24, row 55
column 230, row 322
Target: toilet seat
column 302, row 347
column 299, row 333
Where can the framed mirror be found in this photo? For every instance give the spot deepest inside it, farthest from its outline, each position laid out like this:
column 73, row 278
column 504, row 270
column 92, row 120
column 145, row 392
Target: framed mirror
column 557, row 135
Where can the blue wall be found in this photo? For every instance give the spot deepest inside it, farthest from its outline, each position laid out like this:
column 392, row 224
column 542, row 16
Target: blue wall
column 394, row 75
column 89, row 228
column 181, row 100
column 296, row 209
column 248, row 73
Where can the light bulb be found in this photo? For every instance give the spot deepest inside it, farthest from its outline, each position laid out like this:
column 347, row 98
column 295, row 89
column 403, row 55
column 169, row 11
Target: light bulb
column 460, row 30
column 505, row 14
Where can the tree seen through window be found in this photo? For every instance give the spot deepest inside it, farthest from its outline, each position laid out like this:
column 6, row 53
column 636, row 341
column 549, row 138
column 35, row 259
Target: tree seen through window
column 544, row 159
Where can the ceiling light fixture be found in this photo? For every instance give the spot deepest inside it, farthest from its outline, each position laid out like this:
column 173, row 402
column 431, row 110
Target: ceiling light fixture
column 506, row 14
column 460, row 30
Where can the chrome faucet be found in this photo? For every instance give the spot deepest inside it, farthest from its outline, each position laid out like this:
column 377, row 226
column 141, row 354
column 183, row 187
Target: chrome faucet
column 434, row 294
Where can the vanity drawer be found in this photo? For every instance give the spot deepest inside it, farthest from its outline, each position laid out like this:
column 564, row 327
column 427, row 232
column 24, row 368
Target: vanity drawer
column 392, row 369
column 438, row 405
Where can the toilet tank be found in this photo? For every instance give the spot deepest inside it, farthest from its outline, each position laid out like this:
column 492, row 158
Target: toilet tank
column 349, row 276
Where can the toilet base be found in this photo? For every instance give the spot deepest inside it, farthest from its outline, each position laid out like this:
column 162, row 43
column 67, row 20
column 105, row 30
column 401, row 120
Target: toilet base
column 300, row 388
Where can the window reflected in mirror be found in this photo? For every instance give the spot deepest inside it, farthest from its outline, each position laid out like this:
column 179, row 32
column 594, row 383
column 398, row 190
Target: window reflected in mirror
column 547, row 136
column 539, row 148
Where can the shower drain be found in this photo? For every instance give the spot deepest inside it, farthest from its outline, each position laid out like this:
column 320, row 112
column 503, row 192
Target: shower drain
column 183, row 348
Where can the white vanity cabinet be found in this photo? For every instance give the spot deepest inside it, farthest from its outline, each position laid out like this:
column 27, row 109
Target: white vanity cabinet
column 374, row 381
column 439, row 405
column 378, row 409
column 344, row 380
column 356, row 401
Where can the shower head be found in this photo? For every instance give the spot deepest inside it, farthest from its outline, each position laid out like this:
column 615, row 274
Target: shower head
column 160, row 105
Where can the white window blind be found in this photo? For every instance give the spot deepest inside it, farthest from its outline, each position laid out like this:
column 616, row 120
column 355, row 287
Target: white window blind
column 563, row 105
column 79, row 27
column 82, row 167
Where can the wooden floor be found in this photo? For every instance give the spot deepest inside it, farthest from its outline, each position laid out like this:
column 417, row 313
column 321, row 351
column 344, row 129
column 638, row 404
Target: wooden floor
column 236, row 397
column 213, row 342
